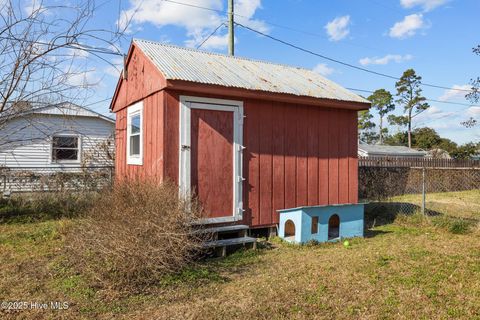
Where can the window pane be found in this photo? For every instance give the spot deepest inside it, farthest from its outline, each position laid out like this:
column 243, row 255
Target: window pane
column 135, row 145
column 65, row 142
column 135, row 124
column 65, row 154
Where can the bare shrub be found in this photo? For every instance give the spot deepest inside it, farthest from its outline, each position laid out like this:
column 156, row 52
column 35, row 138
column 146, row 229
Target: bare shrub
column 134, row 235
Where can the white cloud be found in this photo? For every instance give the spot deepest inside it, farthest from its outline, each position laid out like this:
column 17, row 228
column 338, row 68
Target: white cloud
column 214, row 42
column 198, row 23
column 30, row 7
column 431, row 114
column 454, row 93
column 473, row 111
column 408, row 26
column 115, row 67
column 83, row 78
column 397, row 58
column 77, row 53
column 337, row 29
column 427, row 5
column 323, row 69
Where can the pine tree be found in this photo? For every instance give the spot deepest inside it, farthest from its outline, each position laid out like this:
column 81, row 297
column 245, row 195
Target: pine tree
column 409, row 93
column 382, row 100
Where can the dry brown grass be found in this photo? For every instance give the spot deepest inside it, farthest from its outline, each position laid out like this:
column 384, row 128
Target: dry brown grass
column 408, row 269
column 134, row 235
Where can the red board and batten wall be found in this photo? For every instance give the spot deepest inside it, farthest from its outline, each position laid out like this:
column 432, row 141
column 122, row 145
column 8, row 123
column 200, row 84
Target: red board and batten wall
column 296, row 154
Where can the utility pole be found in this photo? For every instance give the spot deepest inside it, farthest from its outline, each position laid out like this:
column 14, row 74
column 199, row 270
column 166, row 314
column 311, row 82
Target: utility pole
column 231, row 48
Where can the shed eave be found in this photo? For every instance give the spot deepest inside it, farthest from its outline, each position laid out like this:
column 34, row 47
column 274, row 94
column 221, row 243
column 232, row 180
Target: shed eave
column 195, row 87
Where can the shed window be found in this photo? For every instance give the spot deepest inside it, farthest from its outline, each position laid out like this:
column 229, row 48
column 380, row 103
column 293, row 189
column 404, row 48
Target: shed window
column 65, row 148
column 134, row 134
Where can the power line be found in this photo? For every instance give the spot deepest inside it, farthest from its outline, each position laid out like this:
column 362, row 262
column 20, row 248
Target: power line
column 428, row 99
column 436, row 119
column 306, row 50
column 210, row 35
column 341, row 62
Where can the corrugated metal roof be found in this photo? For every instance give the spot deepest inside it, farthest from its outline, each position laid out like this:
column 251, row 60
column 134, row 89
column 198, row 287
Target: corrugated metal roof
column 177, row 63
column 389, row 150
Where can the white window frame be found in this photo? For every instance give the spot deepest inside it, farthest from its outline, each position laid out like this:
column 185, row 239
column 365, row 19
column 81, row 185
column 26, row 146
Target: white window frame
column 79, row 147
column 134, row 110
column 186, row 104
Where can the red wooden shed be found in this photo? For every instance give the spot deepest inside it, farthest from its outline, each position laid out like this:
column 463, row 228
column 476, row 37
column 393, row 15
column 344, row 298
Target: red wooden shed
column 249, row 137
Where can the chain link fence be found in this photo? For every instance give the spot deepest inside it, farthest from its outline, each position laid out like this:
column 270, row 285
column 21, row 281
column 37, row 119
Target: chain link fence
column 51, row 179
column 392, row 190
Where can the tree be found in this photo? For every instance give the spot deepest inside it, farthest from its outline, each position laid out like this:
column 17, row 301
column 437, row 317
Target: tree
column 473, row 96
column 398, row 121
column 43, row 51
column 465, row 151
column 409, row 93
column 366, row 127
column 447, row 145
column 397, row 139
column 382, row 100
column 426, row 138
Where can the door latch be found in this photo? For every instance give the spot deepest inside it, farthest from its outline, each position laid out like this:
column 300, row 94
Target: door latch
column 185, row 147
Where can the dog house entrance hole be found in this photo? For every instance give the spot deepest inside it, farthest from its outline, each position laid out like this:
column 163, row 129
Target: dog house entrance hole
column 333, row 227
column 289, row 229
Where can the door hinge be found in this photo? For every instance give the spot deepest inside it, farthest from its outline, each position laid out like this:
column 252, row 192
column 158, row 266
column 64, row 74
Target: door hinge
column 185, row 147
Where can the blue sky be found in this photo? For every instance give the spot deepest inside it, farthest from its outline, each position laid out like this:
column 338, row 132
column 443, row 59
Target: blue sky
column 435, row 37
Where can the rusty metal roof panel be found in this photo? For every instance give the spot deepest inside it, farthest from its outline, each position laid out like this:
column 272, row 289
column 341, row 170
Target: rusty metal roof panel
column 177, row 63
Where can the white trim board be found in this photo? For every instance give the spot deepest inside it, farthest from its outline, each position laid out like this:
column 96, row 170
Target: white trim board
column 133, row 110
column 186, row 104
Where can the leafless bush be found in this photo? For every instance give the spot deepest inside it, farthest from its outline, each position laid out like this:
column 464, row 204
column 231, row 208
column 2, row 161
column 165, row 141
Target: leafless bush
column 135, row 234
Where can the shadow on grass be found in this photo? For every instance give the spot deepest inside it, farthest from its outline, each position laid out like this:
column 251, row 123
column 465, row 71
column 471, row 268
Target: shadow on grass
column 382, row 213
column 212, row 270
column 370, row 233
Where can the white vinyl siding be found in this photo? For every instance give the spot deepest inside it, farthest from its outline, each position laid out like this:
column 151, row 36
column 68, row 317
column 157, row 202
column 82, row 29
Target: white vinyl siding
column 27, row 142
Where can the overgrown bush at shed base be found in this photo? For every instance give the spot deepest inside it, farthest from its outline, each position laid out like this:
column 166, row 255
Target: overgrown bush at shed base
column 134, row 235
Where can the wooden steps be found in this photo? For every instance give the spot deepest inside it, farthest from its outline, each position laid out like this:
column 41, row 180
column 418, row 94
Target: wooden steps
column 224, row 237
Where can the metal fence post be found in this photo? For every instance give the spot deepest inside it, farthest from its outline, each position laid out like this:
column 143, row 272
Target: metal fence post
column 423, row 191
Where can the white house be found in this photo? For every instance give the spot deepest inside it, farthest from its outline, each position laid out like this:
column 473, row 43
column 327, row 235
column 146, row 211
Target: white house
column 55, row 137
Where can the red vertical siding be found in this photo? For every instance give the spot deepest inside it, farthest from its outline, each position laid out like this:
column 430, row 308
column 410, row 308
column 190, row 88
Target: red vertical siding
column 152, row 167
column 301, row 155
column 295, row 155
column 323, row 147
column 334, row 128
column 278, row 144
column 266, row 163
column 252, row 158
column 352, row 158
column 343, row 145
column 312, row 161
column 171, row 137
column 290, row 136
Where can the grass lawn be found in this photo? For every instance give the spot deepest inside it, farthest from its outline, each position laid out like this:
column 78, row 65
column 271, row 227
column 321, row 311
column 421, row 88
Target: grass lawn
column 463, row 204
column 410, row 268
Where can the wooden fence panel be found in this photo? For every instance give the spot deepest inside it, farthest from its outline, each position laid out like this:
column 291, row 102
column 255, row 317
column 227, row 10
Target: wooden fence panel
column 403, row 162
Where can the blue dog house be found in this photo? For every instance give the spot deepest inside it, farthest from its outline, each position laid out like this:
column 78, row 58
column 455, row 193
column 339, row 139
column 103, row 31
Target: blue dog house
column 321, row 223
